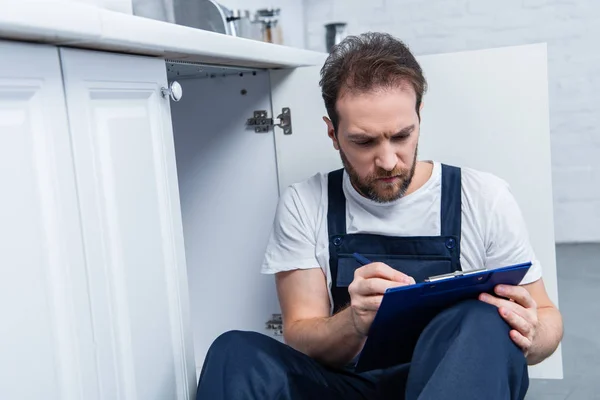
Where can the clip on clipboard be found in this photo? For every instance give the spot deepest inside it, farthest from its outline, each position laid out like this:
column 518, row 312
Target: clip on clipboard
column 454, row 274
column 406, row 310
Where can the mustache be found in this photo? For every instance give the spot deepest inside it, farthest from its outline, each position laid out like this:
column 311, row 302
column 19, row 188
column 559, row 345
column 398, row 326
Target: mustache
column 390, row 174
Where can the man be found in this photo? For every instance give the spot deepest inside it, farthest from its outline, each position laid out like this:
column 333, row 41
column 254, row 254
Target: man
column 418, row 219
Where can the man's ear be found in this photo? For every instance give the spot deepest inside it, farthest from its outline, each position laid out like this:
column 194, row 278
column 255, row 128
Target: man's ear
column 331, row 132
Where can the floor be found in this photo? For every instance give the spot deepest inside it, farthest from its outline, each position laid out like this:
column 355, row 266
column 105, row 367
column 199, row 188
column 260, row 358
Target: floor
column 578, row 288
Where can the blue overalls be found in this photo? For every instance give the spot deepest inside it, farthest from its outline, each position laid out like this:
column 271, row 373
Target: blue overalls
column 416, row 256
column 464, row 353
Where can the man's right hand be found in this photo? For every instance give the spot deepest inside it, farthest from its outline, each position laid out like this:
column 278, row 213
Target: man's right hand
column 367, row 289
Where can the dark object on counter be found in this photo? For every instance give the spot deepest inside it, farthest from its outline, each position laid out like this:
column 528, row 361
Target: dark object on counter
column 335, row 32
column 269, row 19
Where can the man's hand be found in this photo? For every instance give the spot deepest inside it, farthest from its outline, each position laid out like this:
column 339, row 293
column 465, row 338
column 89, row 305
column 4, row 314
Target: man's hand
column 367, row 289
column 520, row 312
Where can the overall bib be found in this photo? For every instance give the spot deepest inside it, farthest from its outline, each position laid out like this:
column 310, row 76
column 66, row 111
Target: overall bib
column 416, row 256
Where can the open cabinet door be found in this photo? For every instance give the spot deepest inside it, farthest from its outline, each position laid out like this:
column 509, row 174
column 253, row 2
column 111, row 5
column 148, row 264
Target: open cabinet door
column 228, row 189
column 488, row 110
column 308, row 149
column 484, row 109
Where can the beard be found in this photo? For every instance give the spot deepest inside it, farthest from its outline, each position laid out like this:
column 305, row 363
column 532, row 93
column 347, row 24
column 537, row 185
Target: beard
column 373, row 188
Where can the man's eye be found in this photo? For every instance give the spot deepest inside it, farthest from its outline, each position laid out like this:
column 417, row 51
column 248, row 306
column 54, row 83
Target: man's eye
column 364, row 143
column 400, row 138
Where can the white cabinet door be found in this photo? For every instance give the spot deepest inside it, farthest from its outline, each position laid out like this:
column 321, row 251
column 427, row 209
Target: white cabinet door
column 42, row 273
column 228, row 188
column 131, row 223
column 308, row 149
column 488, row 109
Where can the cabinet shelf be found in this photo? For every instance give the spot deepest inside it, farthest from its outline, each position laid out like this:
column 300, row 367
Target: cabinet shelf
column 177, row 69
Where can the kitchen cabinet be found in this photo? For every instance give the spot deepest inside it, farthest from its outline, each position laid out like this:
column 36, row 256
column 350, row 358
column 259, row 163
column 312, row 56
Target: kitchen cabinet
column 124, row 162
column 46, row 337
column 135, row 222
column 136, row 310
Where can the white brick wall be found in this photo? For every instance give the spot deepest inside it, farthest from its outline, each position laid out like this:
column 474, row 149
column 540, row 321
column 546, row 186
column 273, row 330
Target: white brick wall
column 572, row 30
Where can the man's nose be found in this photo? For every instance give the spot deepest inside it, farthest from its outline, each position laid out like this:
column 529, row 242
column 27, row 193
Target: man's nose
column 386, row 157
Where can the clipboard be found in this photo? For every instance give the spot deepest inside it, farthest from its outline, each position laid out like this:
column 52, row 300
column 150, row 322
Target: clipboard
column 405, row 311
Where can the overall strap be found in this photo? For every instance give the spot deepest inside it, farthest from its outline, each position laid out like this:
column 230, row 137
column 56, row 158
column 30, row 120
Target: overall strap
column 336, row 208
column 451, row 202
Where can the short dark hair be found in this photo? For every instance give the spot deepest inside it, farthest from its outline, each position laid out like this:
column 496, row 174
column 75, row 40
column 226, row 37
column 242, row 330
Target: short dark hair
column 365, row 62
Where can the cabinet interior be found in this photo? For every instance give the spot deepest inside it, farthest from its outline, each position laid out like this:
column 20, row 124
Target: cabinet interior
column 227, row 176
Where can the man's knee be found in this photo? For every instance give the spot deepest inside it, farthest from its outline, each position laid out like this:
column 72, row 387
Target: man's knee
column 479, row 321
column 238, row 362
column 479, row 315
column 463, row 338
column 476, row 310
column 472, row 326
column 239, row 345
column 232, row 340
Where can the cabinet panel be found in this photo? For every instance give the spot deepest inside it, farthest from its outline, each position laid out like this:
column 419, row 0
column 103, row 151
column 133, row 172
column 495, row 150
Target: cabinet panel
column 126, row 175
column 505, row 131
column 45, row 331
column 308, row 150
column 228, row 183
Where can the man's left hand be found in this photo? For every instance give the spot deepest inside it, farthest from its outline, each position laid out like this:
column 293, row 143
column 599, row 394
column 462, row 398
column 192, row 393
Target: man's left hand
column 520, row 312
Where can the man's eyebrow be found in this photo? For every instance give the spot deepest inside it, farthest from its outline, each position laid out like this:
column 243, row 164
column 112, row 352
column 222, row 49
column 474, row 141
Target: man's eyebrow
column 406, row 131
column 365, row 136
column 360, row 136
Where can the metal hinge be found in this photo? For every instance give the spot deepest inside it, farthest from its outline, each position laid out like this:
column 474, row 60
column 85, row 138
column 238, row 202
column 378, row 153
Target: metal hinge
column 275, row 324
column 262, row 123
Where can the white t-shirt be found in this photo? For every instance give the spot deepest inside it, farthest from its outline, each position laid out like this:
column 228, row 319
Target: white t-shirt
column 493, row 232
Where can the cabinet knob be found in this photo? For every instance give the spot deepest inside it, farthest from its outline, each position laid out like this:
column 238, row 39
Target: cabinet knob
column 174, row 91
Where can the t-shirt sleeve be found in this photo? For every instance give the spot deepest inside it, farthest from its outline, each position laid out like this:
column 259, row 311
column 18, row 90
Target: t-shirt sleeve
column 507, row 238
column 291, row 243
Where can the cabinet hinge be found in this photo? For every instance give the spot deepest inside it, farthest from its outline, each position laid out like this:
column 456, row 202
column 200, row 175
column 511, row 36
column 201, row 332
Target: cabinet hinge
column 275, row 324
column 261, row 122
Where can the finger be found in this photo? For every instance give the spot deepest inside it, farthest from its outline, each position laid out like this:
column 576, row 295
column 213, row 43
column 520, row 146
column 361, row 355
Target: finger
column 518, row 293
column 374, row 286
column 495, row 301
column 368, row 303
column 509, row 305
column 520, row 340
column 381, row 270
column 516, row 321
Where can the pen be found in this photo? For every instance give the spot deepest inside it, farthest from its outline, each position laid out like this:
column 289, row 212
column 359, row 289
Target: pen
column 361, row 259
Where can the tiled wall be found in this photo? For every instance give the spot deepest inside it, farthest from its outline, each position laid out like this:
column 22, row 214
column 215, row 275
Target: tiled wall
column 572, row 30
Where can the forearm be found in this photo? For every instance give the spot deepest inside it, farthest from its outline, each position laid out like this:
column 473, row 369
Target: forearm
column 548, row 335
column 333, row 340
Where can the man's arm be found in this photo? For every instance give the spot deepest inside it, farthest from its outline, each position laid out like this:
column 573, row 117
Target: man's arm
column 334, row 340
column 307, row 326
column 549, row 331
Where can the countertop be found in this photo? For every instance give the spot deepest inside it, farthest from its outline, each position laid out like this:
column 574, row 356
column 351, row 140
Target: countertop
column 87, row 26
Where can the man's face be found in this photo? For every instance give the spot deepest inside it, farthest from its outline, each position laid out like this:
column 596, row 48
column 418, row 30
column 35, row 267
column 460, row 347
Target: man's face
column 377, row 139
